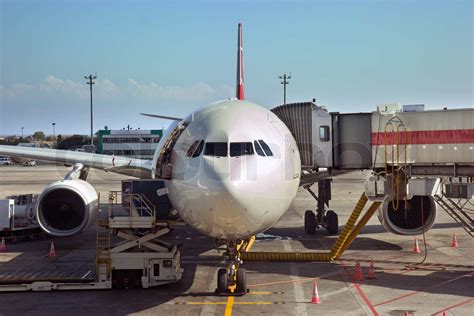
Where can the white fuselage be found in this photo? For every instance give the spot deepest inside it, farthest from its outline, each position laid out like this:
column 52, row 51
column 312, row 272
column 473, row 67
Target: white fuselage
column 240, row 194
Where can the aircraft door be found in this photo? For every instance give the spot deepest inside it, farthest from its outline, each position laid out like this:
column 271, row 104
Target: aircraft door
column 322, row 142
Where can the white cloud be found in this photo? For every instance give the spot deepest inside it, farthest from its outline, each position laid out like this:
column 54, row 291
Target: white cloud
column 197, row 91
column 16, row 89
column 132, row 90
column 52, row 84
column 107, row 88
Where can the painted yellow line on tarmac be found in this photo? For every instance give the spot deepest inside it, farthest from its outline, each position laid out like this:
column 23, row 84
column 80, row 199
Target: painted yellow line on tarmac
column 225, row 303
column 261, row 293
column 201, row 303
column 228, row 307
column 253, row 303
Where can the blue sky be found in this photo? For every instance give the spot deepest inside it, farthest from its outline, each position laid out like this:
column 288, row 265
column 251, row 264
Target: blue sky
column 173, row 57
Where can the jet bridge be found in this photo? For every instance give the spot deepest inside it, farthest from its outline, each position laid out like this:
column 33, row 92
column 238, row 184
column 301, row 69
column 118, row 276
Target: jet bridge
column 408, row 153
column 437, row 142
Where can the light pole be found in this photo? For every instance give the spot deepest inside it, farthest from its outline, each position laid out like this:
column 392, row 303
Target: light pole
column 22, row 128
column 285, row 82
column 54, row 135
column 90, row 82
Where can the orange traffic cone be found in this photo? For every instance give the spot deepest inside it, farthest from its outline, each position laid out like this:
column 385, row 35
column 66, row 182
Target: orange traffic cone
column 416, row 248
column 358, row 273
column 371, row 273
column 315, row 298
column 3, row 246
column 52, row 251
column 454, row 242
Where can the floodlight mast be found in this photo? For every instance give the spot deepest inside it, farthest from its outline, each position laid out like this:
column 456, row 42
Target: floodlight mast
column 90, row 82
column 285, row 82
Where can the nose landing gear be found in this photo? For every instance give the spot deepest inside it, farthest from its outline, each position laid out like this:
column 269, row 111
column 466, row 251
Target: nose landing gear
column 231, row 280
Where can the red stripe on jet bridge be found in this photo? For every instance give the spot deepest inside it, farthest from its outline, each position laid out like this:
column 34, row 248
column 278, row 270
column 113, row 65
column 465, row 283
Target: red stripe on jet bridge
column 450, row 136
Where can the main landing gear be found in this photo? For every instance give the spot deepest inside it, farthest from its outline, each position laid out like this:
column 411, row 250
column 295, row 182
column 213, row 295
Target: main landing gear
column 322, row 218
column 232, row 279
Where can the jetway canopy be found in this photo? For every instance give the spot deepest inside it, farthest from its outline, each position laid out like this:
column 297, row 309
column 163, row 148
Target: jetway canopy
column 311, row 128
column 328, row 140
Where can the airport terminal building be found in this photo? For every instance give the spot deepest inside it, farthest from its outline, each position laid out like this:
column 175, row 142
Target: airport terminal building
column 136, row 143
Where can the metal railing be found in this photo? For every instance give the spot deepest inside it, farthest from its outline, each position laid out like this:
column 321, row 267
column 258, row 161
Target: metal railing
column 137, row 205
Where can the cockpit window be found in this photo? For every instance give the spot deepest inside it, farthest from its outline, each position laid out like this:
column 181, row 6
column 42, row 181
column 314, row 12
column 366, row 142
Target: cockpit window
column 258, row 149
column 241, row 149
column 216, row 149
column 192, row 148
column 195, row 149
column 198, row 150
column 265, row 147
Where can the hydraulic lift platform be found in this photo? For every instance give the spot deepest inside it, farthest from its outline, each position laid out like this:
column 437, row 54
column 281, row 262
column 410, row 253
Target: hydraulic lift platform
column 140, row 259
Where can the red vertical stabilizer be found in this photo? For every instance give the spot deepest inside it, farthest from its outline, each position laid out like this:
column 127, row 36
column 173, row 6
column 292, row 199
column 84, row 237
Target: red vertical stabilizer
column 240, row 66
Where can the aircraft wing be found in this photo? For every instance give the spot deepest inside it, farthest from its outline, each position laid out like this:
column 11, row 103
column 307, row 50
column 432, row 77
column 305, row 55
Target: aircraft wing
column 123, row 165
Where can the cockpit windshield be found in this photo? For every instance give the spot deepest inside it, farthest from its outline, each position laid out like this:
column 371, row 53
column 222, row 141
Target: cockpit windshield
column 195, row 149
column 220, row 149
column 264, row 147
column 241, row 149
column 216, row 149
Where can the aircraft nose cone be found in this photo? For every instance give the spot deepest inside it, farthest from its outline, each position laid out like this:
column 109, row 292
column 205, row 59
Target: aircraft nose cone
column 236, row 215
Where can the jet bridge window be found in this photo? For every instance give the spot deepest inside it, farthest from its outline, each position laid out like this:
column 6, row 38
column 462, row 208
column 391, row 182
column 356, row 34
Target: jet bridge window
column 241, row 149
column 195, row 149
column 216, row 149
column 324, row 133
column 265, row 148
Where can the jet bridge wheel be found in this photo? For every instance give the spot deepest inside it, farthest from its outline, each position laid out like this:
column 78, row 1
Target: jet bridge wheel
column 332, row 223
column 222, row 280
column 309, row 222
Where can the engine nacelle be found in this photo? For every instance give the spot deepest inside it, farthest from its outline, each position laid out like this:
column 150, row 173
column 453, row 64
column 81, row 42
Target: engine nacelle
column 66, row 207
column 408, row 221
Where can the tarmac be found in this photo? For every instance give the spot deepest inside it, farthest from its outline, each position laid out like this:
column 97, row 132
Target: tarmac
column 444, row 283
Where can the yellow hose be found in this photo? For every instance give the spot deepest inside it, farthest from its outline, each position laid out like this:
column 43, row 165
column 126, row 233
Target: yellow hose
column 347, row 235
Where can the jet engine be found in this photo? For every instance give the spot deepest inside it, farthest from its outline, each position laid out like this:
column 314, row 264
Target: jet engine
column 66, row 207
column 408, row 220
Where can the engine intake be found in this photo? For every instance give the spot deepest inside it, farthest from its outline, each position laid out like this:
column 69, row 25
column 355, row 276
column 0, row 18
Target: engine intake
column 66, row 207
column 408, row 221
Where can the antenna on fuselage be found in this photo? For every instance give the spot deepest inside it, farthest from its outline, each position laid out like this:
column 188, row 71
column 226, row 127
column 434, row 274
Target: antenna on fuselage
column 239, row 94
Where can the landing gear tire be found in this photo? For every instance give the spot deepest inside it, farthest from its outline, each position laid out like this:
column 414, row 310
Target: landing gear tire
column 222, row 279
column 309, row 222
column 241, row 281
column 124, row 279
column 332, row 223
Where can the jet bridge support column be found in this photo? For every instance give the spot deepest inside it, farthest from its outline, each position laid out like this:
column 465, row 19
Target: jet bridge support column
column 327, row 219
column 324, row 196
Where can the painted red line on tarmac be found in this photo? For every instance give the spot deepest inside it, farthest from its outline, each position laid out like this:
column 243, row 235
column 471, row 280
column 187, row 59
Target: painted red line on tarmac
column 365, row 298
column 361, row 293
column 454, row 306
column 427, row 288
column 302, row 280
column 397, row 298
